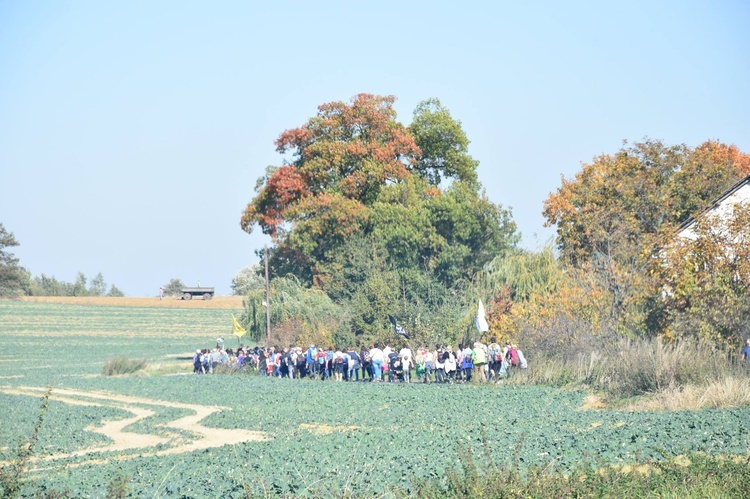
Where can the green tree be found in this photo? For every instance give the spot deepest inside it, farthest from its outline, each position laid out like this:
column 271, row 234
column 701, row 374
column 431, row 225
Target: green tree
column 248, row 279
column 115, row 291
column 356, row 170
column 379, row 223
column 11, row 274
column 97, row 286
column 173, row 287
column 443, row 144
column 297, row 314
column 44, row 285
column 79, row 287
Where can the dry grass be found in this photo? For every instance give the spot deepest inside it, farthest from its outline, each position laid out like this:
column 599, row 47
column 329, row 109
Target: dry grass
column 216, row 302
column 723, row 394
column 593, row 403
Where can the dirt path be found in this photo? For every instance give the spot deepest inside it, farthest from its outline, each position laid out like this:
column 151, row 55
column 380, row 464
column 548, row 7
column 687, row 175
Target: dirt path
column 202, row 437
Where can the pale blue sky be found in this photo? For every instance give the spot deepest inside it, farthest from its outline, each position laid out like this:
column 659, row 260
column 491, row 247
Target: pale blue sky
column 132, row 133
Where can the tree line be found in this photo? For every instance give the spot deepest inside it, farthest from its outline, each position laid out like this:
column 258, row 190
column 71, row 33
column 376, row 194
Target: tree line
column 369, row 217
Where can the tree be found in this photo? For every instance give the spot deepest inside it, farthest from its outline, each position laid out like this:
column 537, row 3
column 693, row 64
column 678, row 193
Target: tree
column 358, row 171
column 382, row 218
column 613, row 216
column 79, row 287
column 297, row 314
column 11, row 274
column 47, row 286
column 619, row 204
column 114, row 291
column 98, row 287
column 173, row 288
column 341, row 159
column 706, row 280
column 248, row 279
column 443, row 144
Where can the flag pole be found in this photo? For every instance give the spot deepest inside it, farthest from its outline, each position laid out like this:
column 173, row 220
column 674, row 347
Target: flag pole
column 268, row 297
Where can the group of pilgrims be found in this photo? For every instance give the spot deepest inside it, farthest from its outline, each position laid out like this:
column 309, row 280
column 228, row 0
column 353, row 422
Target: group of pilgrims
column 443, row 364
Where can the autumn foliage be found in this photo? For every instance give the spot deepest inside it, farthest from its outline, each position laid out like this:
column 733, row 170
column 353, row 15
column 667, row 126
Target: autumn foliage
column 619, row 215
column 387, row 219
column 404, row 200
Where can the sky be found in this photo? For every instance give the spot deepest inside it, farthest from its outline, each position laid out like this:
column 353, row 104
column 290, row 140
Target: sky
column 132, row 133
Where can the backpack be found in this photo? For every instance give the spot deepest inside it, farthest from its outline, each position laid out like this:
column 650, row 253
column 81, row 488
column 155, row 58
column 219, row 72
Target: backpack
column 495, row 353
column 513, row 357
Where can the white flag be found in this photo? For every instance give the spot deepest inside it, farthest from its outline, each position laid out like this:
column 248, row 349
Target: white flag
column 482, row 325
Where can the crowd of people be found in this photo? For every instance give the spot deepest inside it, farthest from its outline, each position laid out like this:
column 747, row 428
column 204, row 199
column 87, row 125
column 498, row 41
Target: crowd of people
column 443, row 364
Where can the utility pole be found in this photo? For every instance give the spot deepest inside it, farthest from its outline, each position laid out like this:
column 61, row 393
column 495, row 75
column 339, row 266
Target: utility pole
column 268, row 297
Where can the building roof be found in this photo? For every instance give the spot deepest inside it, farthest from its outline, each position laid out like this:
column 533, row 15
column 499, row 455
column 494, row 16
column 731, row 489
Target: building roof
column 715, row 203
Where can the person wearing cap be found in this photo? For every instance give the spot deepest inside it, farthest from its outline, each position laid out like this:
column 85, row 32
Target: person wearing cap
column 746, row 351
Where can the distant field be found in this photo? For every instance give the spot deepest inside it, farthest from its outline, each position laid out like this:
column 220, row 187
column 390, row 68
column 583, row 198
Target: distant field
column 209, row 436
column 170, row 302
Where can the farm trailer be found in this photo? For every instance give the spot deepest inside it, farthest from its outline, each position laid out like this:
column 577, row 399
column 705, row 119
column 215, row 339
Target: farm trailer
column 206, row 293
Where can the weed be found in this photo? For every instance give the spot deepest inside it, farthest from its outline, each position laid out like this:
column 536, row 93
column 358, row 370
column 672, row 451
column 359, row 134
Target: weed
column 123, row 365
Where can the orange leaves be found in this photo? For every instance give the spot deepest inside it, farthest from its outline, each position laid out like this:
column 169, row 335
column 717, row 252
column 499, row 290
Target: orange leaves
column 618, row 205
column 726, row 154
column 346, row 149
column 287, row 186
column 343, row 162
column 296, row 138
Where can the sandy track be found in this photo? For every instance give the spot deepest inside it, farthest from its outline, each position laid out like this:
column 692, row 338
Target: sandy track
column 123, row 441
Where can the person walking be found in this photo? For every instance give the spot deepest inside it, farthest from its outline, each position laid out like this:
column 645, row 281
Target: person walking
column 377, row 357
column 406, row 363
column 479, row 358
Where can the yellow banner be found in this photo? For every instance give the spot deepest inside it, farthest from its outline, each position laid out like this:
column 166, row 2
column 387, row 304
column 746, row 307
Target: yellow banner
column 238, row 330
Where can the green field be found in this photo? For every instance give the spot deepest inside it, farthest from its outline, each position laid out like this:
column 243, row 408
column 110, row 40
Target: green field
column 316, row 436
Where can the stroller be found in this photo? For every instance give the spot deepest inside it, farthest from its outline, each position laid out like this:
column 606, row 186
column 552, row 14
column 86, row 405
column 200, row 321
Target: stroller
column 395, row 369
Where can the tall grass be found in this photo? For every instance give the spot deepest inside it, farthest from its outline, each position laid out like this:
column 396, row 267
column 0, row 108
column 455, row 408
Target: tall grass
column 692, row 369
column 123, row 365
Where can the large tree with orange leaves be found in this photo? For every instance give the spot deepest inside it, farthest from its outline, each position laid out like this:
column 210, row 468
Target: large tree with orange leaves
column 619, row 210
column 354, row 173
column 618, row 204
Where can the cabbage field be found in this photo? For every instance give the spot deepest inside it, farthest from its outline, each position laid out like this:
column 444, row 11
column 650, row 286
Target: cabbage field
column 188, row 436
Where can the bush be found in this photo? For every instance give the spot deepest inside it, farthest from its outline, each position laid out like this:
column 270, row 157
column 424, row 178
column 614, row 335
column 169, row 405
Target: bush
column 631, row 368
column 123, row 365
